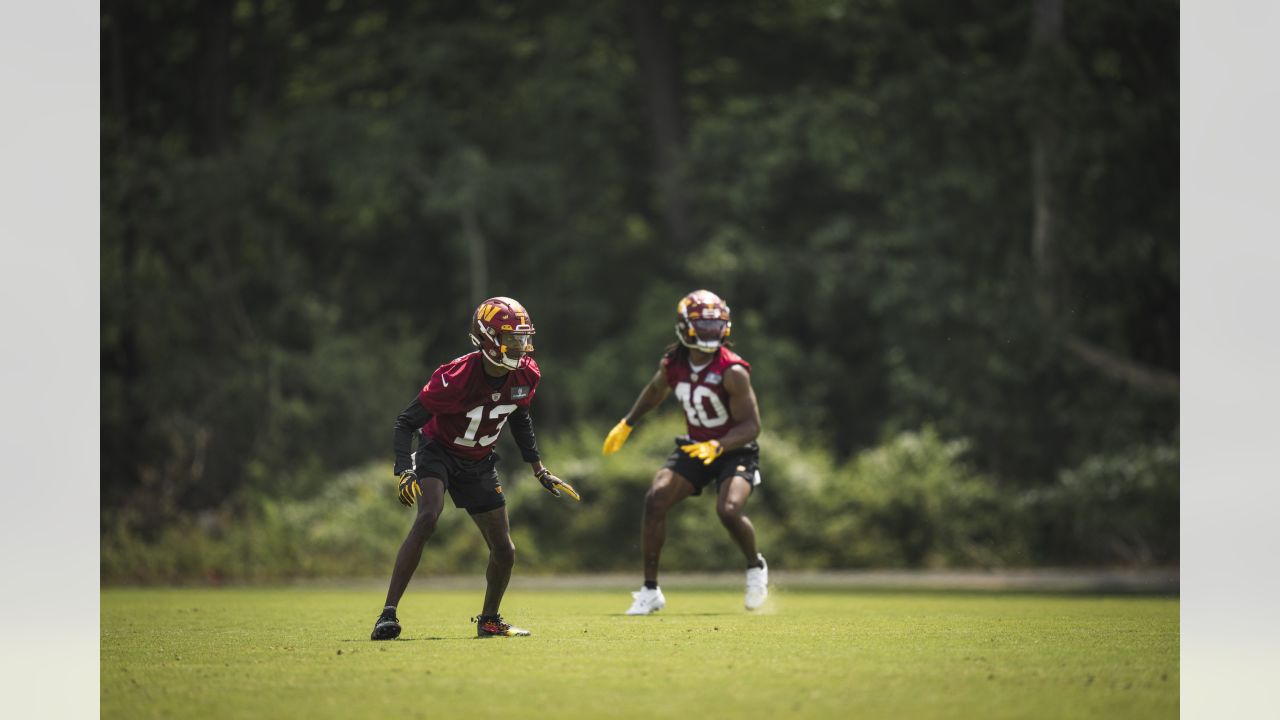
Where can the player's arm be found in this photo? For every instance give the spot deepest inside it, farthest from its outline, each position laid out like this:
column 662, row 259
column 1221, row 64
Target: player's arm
column 651, row 397
column 408, row 422
column 743, row 407
column 521, row 423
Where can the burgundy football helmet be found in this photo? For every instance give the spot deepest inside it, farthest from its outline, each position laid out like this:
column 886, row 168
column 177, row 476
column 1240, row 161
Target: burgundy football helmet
column 702, row 321
column 501, row 328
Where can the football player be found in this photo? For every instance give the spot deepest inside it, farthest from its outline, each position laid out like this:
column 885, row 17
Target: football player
column 461, row 413
column 713, row 385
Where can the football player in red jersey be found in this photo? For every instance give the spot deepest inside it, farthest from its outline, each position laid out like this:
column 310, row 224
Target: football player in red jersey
column 713, row 384
column 461, row 412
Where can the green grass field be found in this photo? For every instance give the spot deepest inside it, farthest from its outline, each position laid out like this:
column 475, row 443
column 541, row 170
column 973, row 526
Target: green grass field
column 305, row 653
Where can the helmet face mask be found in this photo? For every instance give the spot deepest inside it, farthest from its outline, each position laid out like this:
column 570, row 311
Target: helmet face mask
column 501, row 328
column 514, row 346
column 702, row 321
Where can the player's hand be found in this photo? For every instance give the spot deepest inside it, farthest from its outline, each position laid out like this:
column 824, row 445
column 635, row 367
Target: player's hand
column 706, row 451
column 617, row 436
column 410, row 490
column 554, row 485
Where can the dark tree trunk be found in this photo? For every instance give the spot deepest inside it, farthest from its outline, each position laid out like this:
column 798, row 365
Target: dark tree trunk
column 215, row 72
column 1045, row 62
column 1046, row 44
column 264, row 67
column 659, row 62
column 478, row 259
column 113, row 24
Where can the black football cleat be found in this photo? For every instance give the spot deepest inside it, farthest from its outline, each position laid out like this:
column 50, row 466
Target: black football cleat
column 387, row 628
column 495, row 626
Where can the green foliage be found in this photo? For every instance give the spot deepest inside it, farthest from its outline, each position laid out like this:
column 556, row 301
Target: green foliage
column 914, row 501
column 1115, row 509
column 351, row 527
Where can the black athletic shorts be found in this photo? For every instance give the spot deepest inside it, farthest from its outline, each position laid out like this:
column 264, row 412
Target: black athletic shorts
column 473, row 484
column 744, row 461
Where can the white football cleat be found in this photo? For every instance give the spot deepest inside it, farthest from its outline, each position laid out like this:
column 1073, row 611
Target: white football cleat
column 647, row 601
column 757, row 584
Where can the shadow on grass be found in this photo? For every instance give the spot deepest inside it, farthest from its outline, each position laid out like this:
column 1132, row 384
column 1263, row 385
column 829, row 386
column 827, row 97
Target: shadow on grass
column 667, row 614
column 404, row 639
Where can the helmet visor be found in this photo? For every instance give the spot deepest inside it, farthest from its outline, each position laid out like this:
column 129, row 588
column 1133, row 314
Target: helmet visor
column 517, row 342
column 709, row 330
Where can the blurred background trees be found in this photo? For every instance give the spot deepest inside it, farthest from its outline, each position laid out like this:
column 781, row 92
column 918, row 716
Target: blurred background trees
column 949, row 225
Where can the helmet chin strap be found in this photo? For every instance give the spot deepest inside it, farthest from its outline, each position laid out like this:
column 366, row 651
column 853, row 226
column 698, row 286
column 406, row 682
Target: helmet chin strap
column 500, row 363
column 502, row 350
column 695, row 345
column 485, row 354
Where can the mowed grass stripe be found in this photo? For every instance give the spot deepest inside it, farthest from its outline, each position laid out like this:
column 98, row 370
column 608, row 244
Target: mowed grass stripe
column 250, row 653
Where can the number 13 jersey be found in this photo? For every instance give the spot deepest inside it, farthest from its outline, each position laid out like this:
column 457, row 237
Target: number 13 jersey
column 701, row 392
column 467, row 414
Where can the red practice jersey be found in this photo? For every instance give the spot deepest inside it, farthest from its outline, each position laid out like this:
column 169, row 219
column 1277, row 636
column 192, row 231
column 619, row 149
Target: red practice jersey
column 467, row 415
column 702, row 393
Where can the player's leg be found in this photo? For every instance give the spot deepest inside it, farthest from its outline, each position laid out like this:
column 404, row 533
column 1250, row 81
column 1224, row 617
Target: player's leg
column 496, row 528
column 424, row 525
column 668, row 488
column 731, row 503
column 430, row 503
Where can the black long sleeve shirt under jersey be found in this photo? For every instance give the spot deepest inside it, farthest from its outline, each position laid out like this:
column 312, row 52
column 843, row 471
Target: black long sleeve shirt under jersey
column 413, row 417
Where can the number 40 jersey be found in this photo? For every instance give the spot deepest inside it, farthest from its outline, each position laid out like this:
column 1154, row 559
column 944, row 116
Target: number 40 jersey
column 468, row 414
column 701, row 392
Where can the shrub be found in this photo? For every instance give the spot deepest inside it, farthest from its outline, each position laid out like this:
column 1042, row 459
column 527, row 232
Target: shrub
column 911, row 502
column 915, row 501
column 1116, row 509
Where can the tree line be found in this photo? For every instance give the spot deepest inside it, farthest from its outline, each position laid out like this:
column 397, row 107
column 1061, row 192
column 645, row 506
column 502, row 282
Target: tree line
column 953, row 215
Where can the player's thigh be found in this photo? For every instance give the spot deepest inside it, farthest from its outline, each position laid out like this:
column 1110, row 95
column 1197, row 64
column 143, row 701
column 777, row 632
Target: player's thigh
column 733, row 494
column 494, row 525
column 737, row 475
column 433, row 470
column 692, row 471
column 431, row 502
column 668, row 488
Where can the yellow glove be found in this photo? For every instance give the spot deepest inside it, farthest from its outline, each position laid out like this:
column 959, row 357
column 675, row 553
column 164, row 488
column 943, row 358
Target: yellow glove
column 617, row 436
column 554, row 485
column 707, row 451
column 410, row 490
